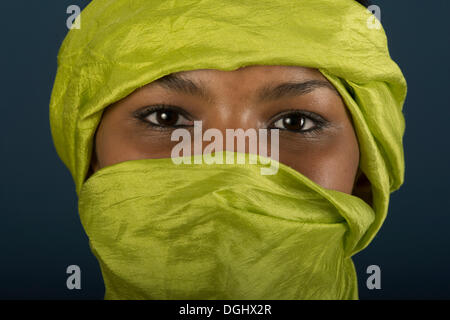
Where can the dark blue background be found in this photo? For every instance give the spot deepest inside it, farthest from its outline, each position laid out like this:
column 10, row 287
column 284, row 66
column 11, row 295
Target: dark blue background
column 40, row 231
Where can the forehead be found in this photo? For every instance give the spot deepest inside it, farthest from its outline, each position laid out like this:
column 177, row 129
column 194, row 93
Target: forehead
column 255, row 74
column 256, row 83
column 261, row 82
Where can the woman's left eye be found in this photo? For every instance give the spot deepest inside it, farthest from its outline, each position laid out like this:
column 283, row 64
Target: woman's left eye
column 295, row 122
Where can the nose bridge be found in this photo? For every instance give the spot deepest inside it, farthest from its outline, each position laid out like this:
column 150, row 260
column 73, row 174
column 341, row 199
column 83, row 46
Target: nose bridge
column 231, row 115
column 234, row 125
column 233, row 111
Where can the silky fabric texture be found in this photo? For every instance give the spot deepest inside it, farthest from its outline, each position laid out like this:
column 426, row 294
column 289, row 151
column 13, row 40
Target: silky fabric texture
column 221, row 231
column 123, row 45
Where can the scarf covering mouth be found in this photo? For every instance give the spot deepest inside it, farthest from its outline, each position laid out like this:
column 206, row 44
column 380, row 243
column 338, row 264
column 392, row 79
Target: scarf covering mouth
column 124, row 45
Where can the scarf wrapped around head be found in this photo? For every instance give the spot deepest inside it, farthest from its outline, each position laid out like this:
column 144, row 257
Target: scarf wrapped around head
column 123, row 45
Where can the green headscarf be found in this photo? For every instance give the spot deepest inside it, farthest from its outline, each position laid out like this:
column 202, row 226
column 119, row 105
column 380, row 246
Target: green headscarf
column 123, row 45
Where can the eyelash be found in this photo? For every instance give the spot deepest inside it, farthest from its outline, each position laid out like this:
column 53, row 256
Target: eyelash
column 319, row 122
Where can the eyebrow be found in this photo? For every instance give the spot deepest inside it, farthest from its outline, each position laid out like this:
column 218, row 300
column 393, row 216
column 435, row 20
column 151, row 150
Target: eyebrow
column 269, row 92
column 292, row 89
column 183, row 85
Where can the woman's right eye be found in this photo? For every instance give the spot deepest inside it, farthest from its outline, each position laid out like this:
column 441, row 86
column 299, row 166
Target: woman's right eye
column 164, row 117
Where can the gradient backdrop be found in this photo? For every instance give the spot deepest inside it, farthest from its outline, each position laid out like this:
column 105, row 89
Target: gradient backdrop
column 40, row 231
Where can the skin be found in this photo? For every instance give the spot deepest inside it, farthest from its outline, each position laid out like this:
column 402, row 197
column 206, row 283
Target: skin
column 328, row 156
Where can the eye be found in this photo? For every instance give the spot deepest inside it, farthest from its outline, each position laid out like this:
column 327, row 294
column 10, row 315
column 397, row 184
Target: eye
column 164, row 116
column 294, row 123
column 167, row 118
column 298, row 121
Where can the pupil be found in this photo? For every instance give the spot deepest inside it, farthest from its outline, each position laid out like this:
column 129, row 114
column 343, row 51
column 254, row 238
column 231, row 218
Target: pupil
column 168, row 118
column 294, row 122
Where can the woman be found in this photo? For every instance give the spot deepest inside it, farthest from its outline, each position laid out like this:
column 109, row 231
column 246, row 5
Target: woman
column 313, row 71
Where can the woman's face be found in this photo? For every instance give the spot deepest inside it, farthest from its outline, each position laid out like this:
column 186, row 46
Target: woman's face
column 316, row 136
